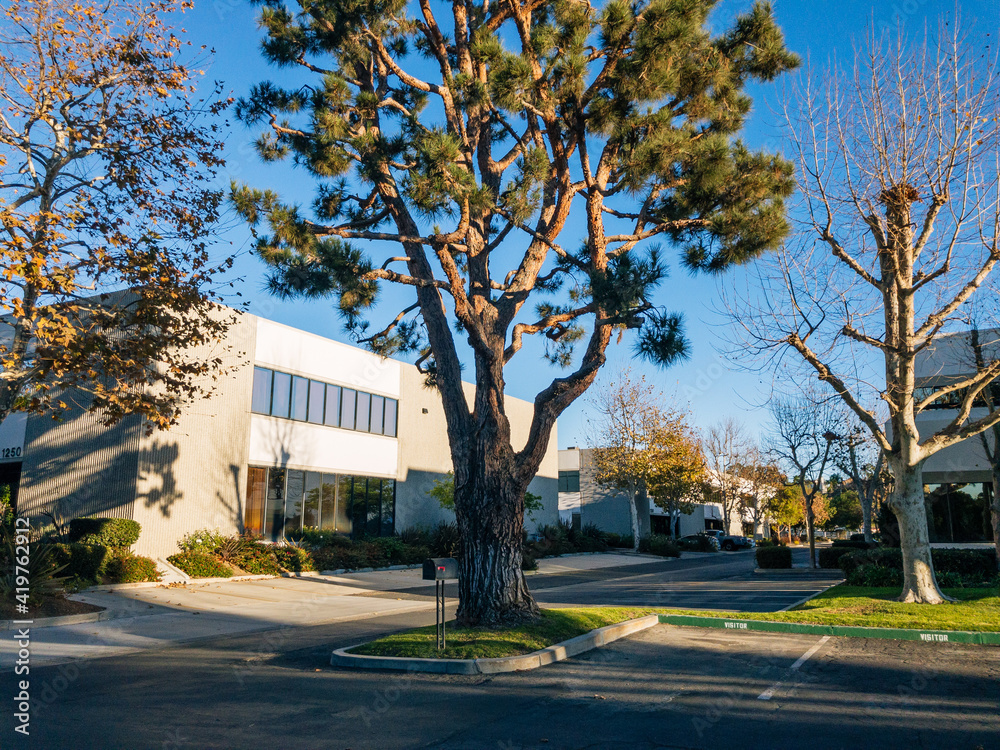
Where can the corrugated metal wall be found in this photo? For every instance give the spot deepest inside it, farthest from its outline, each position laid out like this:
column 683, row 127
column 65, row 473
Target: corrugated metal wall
column 79, row 467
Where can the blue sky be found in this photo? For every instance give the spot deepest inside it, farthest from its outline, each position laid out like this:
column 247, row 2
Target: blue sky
column 707, row 382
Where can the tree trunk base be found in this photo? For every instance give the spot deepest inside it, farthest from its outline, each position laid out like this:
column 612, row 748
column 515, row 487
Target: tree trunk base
column 915, row 597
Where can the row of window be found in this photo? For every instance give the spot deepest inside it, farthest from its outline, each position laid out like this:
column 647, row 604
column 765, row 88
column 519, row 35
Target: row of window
column 283, row 502
column 954, row 399
column 279, row 394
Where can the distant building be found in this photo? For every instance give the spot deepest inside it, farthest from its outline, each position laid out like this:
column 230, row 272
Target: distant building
column 582, row 501
column 302, row 431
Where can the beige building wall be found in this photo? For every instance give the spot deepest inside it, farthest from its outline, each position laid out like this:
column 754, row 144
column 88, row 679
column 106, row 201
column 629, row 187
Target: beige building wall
column 425, row 456
column 194, row 475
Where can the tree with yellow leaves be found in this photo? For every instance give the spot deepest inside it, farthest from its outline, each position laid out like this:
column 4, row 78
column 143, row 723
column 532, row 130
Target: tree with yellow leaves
column 106, row 211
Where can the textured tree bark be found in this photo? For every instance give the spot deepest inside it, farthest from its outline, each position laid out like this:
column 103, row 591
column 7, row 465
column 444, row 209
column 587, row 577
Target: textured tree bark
column 919, row 584
column 866, row 515
column 633, row 507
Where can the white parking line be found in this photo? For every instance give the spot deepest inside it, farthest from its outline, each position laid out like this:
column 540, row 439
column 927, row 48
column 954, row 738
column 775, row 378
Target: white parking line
column 769, row 693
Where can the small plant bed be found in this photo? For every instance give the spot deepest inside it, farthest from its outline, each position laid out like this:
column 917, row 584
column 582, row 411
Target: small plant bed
column 978, row 610
column 49, row 606
column 555, row 626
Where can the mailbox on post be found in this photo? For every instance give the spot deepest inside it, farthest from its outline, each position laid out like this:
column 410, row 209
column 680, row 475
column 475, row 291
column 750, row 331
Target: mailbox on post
column 439, row 570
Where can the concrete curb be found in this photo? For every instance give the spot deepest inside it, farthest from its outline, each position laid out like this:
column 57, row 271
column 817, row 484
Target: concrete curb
column 894, row 634
column 557, row 652
column 821, row 572
column 49, row 622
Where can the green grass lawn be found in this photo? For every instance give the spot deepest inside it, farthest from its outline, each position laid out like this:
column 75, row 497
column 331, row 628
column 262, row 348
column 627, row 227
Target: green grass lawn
column 474, row 643
column 978, row 610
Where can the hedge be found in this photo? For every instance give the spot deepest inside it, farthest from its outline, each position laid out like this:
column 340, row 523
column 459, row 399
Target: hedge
column 774, row 557
column 107, row 532
column 659, row 544
column 854, row 544
column 970, row 565
column 829, row 557
column 702, row 544
column 200, row 565
column 84, row 561
column 132, row 569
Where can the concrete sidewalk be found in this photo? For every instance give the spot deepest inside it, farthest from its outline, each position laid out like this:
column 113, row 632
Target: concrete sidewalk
column 153, row 618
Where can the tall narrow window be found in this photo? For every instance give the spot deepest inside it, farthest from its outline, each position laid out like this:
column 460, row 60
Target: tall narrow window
column 388, row 507
column 364, row 410
column 328, row 515
column 293, row 503
column 348, row 401
column 260, row 400
column 317, row 395
column 253, row 519
column 359, row 506
column 374, row 525
column 300, row 398
column 281, row 401
column 344, row 500
column 312, row 499
column 378, row 409
column 332, row 416
column 274, row 511
column 390, row 417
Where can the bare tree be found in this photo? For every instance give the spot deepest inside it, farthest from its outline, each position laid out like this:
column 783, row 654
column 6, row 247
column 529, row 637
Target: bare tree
column 900, row 222
column 984, row 345
column 760, row 479
column 802, row 439
column 725, row 447
column 864, row 462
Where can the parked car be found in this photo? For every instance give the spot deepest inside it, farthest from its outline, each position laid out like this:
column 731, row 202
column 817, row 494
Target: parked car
column 729, row 542
column 699, row 537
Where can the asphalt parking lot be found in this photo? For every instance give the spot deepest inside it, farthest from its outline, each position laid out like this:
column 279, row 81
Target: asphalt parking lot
column 667, row 687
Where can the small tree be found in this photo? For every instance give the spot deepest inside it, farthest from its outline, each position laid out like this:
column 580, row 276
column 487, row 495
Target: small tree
column 802, row 440
column 861, row 459
column 443, row 490
column 844, row 508
column 679, row 468
column 787, row 508
column 468, row 136
column 106, row 166
column 759, row 481
column 725, row 446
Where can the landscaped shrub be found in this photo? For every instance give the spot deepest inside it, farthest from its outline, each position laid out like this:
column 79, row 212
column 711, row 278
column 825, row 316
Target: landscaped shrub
column 589, row 538
column 877, row 576
column 257, row 559
column 106, row 532
column 766, row 542
column 854, row 543
column 659, row 544
column 206, row 541
column 42, row 576
column 445, row 541
column 774, row 557
column 132, row 569
column 618, row 541
column 294, row 559
column 200, row 565
column 973, row 566
column 702, row 543
column 85, row 562
column 829, row 557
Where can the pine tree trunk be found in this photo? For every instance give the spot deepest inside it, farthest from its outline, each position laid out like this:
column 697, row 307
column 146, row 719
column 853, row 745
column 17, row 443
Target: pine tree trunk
column 490, row 514
column 919, row 584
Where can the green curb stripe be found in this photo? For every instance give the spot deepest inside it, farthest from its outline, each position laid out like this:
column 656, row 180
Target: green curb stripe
column 897, row 634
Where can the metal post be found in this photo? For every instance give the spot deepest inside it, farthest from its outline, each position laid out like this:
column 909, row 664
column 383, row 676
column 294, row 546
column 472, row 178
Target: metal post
column 439, row 614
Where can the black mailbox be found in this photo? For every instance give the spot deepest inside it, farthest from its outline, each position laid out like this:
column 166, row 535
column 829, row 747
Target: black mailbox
column 440, row 568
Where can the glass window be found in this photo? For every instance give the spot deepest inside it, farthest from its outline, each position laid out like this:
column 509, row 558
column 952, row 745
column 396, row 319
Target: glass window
column 317, row 394
column 300, row 398
column 344, row 484
column 260, row 401
column 359, row 511
column 374, row 524
column 328, row 513
column 293, row 503
column 569, row 481
column 311, row 500
column 388, row 507
column 274, row 514
column 378, row 408
column 281, row 399
column 347, row 404
column 364, row 409
column 332, row 416
column 253, row 519
column 390, row 417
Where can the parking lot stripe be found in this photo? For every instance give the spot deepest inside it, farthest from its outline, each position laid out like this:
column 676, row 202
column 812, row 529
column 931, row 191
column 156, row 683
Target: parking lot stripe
column 769, row 693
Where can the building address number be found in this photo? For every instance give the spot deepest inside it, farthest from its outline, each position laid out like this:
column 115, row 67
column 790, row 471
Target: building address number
column 10, row 452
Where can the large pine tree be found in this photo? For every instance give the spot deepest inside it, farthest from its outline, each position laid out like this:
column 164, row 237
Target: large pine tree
column 501, row 121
